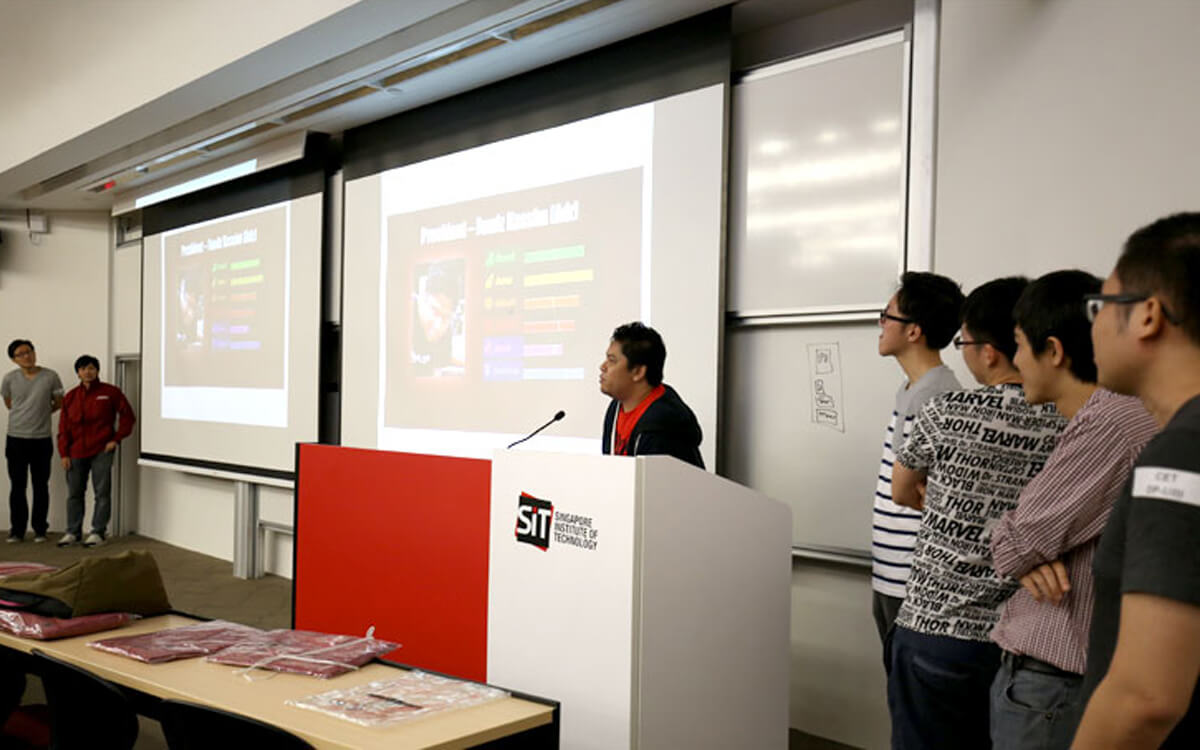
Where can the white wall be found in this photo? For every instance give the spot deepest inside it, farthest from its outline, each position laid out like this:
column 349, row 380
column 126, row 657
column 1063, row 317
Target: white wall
column 838, row 684
column 1063, row 126
column 54, row 291
column 97, row 61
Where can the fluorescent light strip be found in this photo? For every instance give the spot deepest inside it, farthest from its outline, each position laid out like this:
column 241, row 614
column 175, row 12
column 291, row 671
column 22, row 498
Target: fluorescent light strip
column 199, row 183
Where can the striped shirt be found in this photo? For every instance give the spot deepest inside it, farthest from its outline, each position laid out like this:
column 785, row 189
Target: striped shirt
column 894, row 527
column 1060, row 515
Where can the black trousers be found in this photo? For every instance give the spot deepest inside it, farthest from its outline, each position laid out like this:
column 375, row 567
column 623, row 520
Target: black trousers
column 28, row 458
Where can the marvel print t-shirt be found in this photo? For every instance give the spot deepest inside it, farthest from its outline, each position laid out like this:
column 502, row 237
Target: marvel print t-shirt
column 979, row 448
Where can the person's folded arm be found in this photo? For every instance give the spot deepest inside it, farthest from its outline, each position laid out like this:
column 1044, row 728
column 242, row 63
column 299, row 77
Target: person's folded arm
column 906, row 486
column 1066, row 504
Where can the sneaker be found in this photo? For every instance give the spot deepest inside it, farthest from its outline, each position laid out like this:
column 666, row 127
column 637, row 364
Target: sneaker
column 67, row 540
column 39, row 538
column 93, row 540
column 13, row 539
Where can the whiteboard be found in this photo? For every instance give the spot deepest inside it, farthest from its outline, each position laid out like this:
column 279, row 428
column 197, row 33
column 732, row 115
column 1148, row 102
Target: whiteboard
column 818, row 180
column 806, row 412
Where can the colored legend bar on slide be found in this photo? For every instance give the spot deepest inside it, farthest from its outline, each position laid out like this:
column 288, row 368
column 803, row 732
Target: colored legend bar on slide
column 245, row 280
column 561, row 277
column 505, row 346
column 548, row 326
column 556, row 253
column 561, row 302
column 241, row 265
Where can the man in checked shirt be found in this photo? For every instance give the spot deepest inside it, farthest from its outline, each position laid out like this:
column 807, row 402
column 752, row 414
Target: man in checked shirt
column 1037, row 694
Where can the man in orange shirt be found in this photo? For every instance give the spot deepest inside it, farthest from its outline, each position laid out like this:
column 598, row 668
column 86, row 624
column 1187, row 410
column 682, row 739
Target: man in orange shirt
column 646, row 416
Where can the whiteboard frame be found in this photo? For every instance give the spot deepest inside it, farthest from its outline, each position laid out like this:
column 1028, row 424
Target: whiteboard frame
column 919, row 121
column 904, row 37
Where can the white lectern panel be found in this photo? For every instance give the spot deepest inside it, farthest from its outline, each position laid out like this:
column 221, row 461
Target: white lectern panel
column 561, row 588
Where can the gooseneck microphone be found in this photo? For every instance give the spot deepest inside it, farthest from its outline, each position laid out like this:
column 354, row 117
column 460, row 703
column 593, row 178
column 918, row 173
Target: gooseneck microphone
column 556, row 417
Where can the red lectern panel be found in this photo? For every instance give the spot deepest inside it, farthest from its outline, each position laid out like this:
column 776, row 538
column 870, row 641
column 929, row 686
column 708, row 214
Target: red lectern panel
column 398, row 541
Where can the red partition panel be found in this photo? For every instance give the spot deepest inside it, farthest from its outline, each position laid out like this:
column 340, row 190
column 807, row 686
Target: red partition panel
column 398, row 541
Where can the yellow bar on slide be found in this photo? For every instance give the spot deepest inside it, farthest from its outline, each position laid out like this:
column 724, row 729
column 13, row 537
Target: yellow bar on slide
column 562, row 277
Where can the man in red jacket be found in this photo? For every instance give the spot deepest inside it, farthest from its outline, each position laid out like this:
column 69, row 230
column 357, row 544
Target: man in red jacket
column 95, row 417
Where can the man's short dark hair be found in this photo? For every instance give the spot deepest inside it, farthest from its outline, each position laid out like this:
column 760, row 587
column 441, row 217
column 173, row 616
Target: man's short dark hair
column 86, row 360
column 642, row 345
column 932, row 302
column 1052, row 305
column 17, row 344
column 1163, row 259
column 987, row 313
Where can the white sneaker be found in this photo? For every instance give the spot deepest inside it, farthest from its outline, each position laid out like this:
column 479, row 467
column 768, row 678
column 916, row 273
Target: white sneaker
column 67, row 540
column 93, row 540
column 39, row 539
column 13, row 539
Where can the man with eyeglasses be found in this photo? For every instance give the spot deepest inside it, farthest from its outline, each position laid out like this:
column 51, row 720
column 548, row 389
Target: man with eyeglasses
column 1143, row 667
column 32, row 394
column 918, row 322
column 972, row 451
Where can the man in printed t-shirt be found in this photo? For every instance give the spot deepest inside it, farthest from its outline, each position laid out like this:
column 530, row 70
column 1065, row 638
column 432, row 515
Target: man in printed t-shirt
column 973, row 451
column 918, row 322
column 1143, row 666
column 1036, row 697
column 646, row 416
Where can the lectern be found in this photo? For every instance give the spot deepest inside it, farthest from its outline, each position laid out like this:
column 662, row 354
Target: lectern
column 650, row 597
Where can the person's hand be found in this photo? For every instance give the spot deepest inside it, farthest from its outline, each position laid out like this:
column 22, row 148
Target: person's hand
column 66, row 462
column 921, row 496
column 110, row 446
column 1048, row 583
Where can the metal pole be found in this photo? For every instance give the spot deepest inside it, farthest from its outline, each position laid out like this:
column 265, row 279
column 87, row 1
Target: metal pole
column 245, row 530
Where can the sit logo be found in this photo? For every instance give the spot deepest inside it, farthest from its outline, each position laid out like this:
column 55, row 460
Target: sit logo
column 534, row 518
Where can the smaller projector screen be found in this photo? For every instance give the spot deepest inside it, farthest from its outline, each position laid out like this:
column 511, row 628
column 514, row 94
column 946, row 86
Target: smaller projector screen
column 230, row 332
column 482, row 286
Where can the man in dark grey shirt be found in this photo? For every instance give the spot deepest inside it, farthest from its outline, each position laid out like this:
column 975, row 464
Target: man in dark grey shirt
column 1143, row 664
column 31, row 394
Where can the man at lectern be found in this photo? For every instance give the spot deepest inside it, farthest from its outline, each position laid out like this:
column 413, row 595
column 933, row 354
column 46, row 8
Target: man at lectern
column 646, row 416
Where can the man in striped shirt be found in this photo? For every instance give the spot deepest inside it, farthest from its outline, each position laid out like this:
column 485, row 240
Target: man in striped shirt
column 918, row 322
column 1036, row 696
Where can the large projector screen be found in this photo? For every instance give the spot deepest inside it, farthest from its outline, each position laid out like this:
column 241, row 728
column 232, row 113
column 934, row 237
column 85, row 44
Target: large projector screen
column 230, row 335
column 482, row 286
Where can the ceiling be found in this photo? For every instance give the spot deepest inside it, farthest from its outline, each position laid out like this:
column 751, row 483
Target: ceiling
column 323, row 87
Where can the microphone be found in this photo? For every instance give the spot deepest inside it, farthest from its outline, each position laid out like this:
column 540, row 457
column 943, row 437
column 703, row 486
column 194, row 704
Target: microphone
column 556, row 417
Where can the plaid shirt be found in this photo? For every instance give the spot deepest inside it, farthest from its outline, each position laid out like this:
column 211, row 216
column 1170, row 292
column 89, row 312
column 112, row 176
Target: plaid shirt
column 1060, row 516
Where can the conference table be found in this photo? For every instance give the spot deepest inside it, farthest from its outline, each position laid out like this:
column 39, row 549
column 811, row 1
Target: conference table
column 264, row 696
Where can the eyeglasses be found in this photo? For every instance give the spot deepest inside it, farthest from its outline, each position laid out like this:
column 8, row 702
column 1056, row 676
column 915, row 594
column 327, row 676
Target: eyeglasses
column 1094, row 303
column 959, row 342
column 22, row 353
column 885, row 316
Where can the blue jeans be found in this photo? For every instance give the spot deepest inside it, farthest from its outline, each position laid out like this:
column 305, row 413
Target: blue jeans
column 1034, row 709
column 938, row 691
column 100, row 467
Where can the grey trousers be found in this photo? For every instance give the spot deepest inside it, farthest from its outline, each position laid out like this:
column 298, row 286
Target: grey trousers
column 100, row 467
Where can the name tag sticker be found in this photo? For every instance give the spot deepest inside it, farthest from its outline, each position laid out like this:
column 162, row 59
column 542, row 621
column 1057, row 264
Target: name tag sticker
column 1162, row 483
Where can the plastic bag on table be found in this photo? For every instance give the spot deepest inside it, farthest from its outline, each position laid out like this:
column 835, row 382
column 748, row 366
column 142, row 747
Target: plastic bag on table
column 304, row 652
column 412, row 695
column 184, row 642
column 42, row 628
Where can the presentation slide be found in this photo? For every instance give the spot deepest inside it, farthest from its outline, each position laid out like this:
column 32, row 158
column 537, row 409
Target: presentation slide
column 230, row 335
column 508, row 303
column 502, row 270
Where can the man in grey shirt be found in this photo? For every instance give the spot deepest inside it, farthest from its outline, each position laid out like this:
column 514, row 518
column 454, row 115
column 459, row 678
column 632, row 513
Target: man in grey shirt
column 31, row 394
